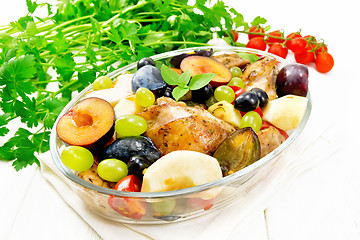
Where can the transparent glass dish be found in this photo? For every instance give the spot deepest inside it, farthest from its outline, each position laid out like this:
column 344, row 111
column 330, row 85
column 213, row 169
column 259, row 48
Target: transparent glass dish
column 176, row 205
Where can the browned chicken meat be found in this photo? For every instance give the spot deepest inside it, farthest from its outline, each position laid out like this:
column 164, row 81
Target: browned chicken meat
column 176, row 126
column 232, row 60
column 261, row 74
column 270, row 138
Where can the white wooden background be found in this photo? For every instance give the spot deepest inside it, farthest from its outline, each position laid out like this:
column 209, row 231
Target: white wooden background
column 323, row 203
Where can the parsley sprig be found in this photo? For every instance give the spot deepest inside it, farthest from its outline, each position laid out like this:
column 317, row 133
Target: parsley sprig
column 45, row 61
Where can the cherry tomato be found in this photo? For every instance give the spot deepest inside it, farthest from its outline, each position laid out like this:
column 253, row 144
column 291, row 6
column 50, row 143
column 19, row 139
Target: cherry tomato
column 256, row 29
column 235, row 35
column 257, row 43
column 305, row 57
column 127, row 206
column 321, row 48
column 199, row 203
column 237, row 90
column 324, row 62
column 278, row 50
column 266, row 124
column 298, row 45
column 290, row 37
column 270, row 40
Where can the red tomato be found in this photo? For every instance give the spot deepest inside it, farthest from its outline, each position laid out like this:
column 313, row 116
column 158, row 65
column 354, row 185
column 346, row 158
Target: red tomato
column 199, row 203
column 235, row 35
column 310, row 39
column 290, row 37
column 256, row 29
column 237, row 90
column 298, row 45
column 270, row 40
column 278, row 50
column 126, row 206
column 321, row 48
column 305, row 57
column 324, row 62
column 266, row 124
column 257, row 43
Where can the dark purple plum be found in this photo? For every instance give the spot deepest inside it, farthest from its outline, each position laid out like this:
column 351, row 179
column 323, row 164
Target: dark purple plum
column 137, row 165
column 145, row 61
column 292, row 79
column 148, row 77
column 176, row 61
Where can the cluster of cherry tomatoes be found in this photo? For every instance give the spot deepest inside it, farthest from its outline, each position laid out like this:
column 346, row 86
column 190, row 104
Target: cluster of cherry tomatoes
column 306, row 49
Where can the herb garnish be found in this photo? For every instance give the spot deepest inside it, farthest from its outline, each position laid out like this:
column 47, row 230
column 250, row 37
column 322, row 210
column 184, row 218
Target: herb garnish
column 184, row 82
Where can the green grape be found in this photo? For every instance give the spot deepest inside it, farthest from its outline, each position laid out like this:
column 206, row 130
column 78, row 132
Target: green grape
column 164, row 207
column 235, row 71
column 112, row 170
column 144, row 97
column 236, row 81
column 224, row 93
column 77, row 158
column 130, row 125
column 102, row 82
column 251, row 119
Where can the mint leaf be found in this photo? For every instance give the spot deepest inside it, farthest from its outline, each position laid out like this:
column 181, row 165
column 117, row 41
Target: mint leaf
column 184, row 78
column 169, row 75
column 178, row 92
column 200, row 80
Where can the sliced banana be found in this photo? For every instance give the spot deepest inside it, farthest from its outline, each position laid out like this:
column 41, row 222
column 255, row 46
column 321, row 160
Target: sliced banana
column 182, row 169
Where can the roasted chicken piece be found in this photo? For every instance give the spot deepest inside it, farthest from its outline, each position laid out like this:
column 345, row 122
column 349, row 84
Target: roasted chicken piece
column 261, row 74
column 175, row 126
column 232, row 60
column 270, row 138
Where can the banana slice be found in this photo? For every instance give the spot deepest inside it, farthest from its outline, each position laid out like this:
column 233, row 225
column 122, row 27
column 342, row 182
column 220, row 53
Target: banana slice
column 182, row 169
column 286, row 112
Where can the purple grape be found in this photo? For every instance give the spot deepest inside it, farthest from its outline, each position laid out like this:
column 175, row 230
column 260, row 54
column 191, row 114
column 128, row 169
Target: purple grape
column 292, row 79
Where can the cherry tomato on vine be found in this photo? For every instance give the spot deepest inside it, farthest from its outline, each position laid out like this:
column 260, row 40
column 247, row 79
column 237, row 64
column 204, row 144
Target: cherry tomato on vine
column 292, row 36
column 256, row 29
column 278, row 50
column 270, row 40
column 324, row 62
column 298, row 45
column 235, row 35
column 321, row 48
column 305, row 57
column 257, row 43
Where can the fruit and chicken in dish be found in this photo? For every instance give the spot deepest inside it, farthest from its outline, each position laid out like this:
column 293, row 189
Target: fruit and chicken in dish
column 184, row 122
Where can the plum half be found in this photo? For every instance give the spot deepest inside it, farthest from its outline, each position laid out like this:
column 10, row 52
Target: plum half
column 199, row 64
column 90, row 123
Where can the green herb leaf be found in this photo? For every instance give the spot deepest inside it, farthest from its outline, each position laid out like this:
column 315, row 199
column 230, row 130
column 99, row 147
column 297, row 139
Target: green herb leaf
column 249, row 56
column 200, row 80
column 184, row 78
column 179, row 92
column 169, row 75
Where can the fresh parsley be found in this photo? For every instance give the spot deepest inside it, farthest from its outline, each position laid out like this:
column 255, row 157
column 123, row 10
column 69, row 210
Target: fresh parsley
column 45, row 61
